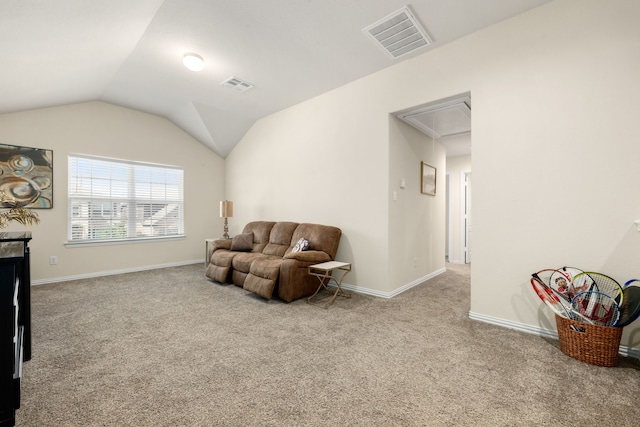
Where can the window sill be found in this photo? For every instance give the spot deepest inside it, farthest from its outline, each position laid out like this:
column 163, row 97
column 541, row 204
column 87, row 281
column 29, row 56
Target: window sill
column 88, row 243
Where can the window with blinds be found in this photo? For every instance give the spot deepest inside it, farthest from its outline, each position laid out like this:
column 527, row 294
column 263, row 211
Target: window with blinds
column 113, row 200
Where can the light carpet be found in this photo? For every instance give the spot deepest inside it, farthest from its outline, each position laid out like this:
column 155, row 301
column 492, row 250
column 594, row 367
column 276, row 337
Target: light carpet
column 171, row 348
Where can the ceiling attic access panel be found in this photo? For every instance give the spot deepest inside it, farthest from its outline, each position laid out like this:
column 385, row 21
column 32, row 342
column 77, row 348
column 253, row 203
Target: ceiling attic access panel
column 444, row 118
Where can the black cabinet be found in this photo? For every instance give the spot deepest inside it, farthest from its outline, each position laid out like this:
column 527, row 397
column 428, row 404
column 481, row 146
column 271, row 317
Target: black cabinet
column 15, row 320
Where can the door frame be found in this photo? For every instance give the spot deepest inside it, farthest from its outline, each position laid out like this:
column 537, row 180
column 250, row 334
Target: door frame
column 449, row 251
column 465, row 212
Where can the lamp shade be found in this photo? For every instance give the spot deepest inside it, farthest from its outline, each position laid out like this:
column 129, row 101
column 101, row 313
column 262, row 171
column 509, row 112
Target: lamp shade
column 226, row 209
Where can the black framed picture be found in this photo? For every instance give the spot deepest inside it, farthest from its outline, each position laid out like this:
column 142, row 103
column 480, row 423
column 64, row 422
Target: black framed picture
column 26, row 177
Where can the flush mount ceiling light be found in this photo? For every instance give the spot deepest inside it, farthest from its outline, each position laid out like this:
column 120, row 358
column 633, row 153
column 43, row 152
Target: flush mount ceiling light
column 193, row 62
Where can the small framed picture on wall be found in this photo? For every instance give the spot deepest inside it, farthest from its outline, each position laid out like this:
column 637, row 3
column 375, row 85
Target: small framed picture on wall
column 428, row 179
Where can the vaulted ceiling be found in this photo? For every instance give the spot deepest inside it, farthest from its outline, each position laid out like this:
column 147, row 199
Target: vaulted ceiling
column 130, row 53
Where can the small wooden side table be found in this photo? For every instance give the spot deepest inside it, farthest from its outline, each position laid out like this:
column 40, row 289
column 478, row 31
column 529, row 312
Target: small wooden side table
column 324, row 273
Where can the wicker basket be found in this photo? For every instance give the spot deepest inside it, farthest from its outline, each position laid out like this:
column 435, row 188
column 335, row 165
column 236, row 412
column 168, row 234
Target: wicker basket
column 596, row 345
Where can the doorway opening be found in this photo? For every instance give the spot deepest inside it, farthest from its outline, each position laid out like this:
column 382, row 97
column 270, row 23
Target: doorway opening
column 448, row 122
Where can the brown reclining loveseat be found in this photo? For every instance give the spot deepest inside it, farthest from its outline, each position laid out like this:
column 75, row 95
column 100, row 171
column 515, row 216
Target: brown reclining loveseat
column 270, row 258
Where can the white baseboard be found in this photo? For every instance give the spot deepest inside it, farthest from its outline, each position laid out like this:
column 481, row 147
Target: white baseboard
column 398, row 291
column 545, row 333
column 113, row 272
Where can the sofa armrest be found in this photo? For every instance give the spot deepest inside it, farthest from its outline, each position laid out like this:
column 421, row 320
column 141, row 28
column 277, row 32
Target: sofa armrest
column 215, row 245
column 309, row 256
column 221, row 244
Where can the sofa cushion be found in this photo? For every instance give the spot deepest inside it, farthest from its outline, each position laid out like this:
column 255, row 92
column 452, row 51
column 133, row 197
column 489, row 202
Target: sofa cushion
column 242, row 242
column 242, row 261
column 280, row 238
column 223, row 257
column 261, row 231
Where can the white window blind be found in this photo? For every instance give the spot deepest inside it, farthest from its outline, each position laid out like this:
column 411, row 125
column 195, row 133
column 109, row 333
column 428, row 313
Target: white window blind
column 112, row 200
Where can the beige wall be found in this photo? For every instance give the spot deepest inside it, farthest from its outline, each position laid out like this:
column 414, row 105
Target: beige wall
column 416, row 220
column 322, row 161
column 106, row 130
column 327, row 160
column 554, row 152
column 555, row 144
column 456, row 167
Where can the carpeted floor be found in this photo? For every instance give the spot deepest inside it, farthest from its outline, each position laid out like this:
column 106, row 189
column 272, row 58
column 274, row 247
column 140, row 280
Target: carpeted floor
column 171, row 348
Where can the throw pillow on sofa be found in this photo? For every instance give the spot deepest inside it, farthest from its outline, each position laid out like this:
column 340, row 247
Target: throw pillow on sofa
column 242, row 242
column 301, row 245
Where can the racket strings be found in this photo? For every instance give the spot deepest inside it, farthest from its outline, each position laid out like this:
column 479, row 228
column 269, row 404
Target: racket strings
column 591, row 281
column 597, row 307
column 571, row 273
column 556, row 280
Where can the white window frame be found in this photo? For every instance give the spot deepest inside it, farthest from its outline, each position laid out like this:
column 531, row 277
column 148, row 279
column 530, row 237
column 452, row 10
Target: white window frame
column 114, row 201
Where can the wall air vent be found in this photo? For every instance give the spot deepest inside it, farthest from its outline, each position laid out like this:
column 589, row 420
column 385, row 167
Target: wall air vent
column 236, row 84
column 398, row 34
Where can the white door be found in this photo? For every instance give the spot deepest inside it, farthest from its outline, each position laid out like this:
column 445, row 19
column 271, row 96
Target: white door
column 467, row 217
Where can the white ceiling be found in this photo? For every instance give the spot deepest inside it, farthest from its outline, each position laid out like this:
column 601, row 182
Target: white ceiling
column 129, row 53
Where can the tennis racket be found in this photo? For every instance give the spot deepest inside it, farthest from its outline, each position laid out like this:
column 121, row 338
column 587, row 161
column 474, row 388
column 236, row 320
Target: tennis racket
column 571, row 272
column 548, row 296
column 591, row 281
column 556, row 280
column 630, row 308
column 561, row 283
column 598, row 307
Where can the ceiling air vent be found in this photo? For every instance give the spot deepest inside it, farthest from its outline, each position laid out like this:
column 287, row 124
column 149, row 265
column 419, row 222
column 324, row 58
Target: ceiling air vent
column 236, row 84
column 398, row 34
